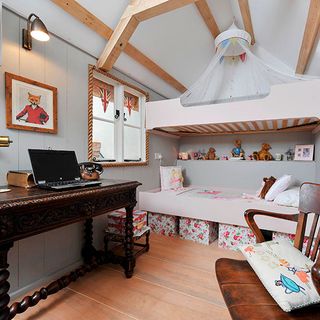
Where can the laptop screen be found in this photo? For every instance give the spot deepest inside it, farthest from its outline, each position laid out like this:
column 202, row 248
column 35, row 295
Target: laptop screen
column 54, row 165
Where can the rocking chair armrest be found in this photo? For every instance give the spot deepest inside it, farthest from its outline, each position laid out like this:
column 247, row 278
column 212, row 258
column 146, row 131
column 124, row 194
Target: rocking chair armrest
column 249, row 216
column 315, row 274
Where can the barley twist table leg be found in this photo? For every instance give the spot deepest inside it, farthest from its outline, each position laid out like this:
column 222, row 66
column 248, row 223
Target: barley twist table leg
column 88, row 250
column 4, row 283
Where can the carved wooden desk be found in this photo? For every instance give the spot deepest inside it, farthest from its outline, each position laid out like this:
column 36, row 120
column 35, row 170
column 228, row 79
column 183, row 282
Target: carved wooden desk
column 25, row 213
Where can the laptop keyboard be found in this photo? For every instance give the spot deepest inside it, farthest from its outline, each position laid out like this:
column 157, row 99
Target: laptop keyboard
column 63, row 183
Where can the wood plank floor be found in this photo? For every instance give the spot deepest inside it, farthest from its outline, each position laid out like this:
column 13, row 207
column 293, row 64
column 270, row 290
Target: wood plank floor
column 174, row 280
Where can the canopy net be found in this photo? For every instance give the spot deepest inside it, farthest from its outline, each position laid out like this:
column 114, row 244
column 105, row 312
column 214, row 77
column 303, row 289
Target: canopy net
column 234, row 73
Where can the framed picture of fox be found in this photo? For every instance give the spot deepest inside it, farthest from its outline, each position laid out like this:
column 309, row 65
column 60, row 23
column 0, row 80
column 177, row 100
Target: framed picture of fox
column 30, row 105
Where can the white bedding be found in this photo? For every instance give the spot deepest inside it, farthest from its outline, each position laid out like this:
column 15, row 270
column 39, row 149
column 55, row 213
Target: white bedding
column 223, row 205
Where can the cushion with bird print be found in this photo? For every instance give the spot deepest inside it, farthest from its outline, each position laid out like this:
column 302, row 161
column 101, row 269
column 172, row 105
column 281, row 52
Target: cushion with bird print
column 284, row 271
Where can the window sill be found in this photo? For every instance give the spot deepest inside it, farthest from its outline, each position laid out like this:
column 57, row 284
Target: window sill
column 123, row 164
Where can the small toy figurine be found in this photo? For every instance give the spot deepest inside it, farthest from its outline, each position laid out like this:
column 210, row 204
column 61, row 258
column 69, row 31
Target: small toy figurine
column 211, row 154
column 264, row 153
column 183, row 156
column 237, row 151
column 197, row 156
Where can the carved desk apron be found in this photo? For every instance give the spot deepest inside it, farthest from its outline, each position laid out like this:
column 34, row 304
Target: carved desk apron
column 27, row 212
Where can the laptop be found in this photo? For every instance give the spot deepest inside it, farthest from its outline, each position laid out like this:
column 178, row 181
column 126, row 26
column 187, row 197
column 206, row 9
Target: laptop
column 57, row 170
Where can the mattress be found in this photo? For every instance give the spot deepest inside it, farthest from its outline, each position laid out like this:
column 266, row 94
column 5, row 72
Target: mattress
column 217, row 204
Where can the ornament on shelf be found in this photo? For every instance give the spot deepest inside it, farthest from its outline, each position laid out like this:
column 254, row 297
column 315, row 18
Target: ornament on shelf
column 237, row 151
column 264, row 153
column 183, row 156
column 211, row 154
column 290, row 154
column 197, row 155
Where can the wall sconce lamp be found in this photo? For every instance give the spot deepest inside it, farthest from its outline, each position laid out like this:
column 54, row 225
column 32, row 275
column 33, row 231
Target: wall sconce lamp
column 5, row 141
column 35, row 29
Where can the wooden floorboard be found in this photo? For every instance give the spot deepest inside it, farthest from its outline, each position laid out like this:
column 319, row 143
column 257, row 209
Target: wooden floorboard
column 174, row 280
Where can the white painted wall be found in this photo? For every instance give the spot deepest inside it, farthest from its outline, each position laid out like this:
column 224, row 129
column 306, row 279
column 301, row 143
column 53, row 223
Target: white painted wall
column 35, row 260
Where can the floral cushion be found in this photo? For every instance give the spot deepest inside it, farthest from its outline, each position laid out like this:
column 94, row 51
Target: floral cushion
column 171, row 178
column 284, row 271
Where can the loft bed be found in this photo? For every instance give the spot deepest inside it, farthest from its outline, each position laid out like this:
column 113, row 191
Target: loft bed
column 223, row 205
column 288, row 107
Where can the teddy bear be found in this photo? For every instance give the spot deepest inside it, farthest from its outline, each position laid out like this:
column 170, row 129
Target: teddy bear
column 211, row 154
column 268, row 182
column 237, row 151
column 264, row 153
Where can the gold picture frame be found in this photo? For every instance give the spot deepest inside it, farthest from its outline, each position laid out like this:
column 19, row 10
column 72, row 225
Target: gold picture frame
column 30, row 105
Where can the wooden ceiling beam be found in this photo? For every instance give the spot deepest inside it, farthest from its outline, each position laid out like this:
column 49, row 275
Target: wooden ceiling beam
column 136, row 11
column 246, row 17
column 208, row 18
column 87, row 18
column 310, row 35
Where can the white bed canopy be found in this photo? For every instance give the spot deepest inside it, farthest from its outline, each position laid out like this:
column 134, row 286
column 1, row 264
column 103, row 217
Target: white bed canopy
column 234, row 73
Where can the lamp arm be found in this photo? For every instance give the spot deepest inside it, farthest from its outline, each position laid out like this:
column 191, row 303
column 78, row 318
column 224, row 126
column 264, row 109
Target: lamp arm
column 32, row 15
column 29, row 21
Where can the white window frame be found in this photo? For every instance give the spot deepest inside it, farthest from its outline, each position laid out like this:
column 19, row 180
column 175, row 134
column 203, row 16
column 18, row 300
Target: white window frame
column 119, row 88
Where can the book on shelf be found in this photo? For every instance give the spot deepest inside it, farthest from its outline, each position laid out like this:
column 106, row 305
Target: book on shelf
column 20, row 178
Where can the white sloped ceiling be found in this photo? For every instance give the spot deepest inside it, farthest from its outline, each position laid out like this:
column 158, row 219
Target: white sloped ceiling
column 179, row 41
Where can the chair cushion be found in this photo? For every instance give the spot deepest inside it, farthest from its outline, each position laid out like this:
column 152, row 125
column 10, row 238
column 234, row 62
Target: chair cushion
column 284, row 271
column 247, row 298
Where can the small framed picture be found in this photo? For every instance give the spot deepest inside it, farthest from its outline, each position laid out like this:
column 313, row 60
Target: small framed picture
column 30, row 105
column 304, row 152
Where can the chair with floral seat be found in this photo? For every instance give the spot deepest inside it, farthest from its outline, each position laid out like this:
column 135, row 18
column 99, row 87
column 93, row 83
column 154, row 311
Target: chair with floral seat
column 243, row 292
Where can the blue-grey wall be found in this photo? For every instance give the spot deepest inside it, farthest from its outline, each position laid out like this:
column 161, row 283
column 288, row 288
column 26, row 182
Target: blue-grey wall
column 247, row 174
column 38, row 259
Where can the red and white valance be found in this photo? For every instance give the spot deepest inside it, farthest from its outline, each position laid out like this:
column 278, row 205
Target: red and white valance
column 131, row 102
column 104, row 91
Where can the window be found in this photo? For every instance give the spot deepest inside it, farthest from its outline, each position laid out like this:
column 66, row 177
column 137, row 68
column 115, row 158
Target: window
column 117, row 134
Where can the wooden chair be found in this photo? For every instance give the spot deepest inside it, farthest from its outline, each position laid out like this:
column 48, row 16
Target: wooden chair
column 244, row 294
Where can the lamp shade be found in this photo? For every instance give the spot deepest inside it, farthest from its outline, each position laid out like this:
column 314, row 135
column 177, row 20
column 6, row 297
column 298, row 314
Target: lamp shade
column 39, row 30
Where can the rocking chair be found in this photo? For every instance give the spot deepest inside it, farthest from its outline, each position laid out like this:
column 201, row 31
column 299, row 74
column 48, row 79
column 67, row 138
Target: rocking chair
column 244, row 294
